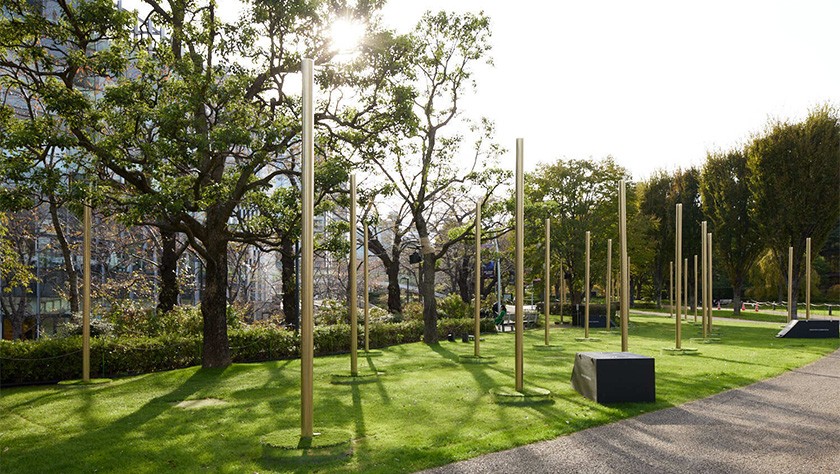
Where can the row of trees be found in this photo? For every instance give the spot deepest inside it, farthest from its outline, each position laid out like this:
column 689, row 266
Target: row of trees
column 775, row 192
column 196, row 131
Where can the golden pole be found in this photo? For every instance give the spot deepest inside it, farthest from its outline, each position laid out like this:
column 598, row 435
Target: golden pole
column 353, row 277
column 477, row 277
column 790, row 283
column 307, row 326
column 678, row 274
column 695, row 289
column 562, row 290
column 703, row 271
column 86, row 297
column 625, row 263
column 520, row 265
column 671, row 289
column 547, row 299
column 711, row 280
column 808, row 278
column 366, row 295
column 586, row 289
column 609, row 280
column 685, row 289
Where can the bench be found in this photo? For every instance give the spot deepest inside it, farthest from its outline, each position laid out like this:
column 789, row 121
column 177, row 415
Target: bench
column 529, row 319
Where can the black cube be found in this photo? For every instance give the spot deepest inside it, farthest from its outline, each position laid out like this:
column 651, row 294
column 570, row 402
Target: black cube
column 811, row 329
column 614, row 377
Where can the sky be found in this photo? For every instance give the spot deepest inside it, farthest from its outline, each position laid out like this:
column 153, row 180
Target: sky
column 655, row 84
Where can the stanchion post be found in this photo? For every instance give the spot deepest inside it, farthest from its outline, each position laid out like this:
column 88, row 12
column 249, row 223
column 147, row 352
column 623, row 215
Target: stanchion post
column 547, row 304
column 625, row 278
column 678, row 274
column 86, row 296
column 353, row 277
column 586, row 289
column 520, row 265
column 609, row 280
column 477, row 288
column 790, row 283
column 808, row 278
column 307, row 253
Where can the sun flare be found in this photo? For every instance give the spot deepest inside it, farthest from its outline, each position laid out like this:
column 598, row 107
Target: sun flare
column 346, row 35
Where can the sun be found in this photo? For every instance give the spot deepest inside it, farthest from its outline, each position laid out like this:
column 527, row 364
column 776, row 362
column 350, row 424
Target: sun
column 345, row 35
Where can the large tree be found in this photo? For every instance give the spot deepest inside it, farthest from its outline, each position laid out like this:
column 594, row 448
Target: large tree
column 194, row 126
column 728, row 203
column 578, row 196
column 425, row 158
column 794, row 170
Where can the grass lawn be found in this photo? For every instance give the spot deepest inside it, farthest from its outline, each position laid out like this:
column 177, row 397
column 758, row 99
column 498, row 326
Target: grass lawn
column 747, row 314
column 427, row 410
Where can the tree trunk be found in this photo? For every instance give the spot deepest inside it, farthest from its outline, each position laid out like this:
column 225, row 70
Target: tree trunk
column 288, row 259
column 427, row 289
column 394, row 301
column 737, row 287
column 168, row 267
column 69, row 268
column 465, row 289
column 214, row 306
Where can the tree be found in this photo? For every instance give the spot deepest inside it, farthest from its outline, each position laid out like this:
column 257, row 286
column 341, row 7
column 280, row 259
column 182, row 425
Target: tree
column 578, row 196
column 794, row 170
column 659, row 196
column 728, row 202
column 420, row 161
column 194, row 127
column 17, row 250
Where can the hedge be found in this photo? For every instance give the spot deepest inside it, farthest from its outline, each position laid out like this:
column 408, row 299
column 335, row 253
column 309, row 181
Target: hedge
column 52, row 360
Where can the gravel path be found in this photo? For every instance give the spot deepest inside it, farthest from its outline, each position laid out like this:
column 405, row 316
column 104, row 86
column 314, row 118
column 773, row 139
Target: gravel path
column 787, row 424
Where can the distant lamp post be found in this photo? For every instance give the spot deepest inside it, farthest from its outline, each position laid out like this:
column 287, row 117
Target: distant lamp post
column 406, row 289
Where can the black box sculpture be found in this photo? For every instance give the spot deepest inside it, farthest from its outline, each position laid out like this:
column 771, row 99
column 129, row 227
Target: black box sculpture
column 614, row 377
column 811, row 328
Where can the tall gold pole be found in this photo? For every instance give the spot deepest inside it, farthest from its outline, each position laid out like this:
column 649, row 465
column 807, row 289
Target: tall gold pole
column 808, row 278
column 520, row 265
column 678, row 274
column 307, row 308
column 562, row 290
column 586, row 289
column 608, row 293
column 547, row 299
column 695, row 289
column 709, row 275
column 685, row 289
column 476, row 350
column 671, row 289
column 704, row 270
column 366, row 295
column 790, row 283
column 625, row 271
column 86, row 297
column 353, row 277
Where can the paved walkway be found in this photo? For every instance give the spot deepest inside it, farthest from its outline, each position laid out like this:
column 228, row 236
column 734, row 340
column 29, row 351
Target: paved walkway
column 787, row 424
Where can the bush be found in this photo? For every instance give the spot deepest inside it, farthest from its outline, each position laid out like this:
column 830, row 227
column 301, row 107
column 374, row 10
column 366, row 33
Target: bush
column 452, row 306
column 51, row 360
column 332, row 312
column 412, row 311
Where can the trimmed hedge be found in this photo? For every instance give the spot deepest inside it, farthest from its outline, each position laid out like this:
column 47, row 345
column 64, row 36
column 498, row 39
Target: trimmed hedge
column 51, row 360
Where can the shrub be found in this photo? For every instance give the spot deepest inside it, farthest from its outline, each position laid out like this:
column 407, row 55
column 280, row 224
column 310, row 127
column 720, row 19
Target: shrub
column 51, row 360
column 412, row 311
column 332, row 312
column 452, row 306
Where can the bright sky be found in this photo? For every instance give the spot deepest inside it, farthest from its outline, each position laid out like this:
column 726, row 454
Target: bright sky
column 655, row 84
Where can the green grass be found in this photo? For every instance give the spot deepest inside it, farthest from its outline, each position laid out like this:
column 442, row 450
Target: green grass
column 749, row 315
column 427, row 409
